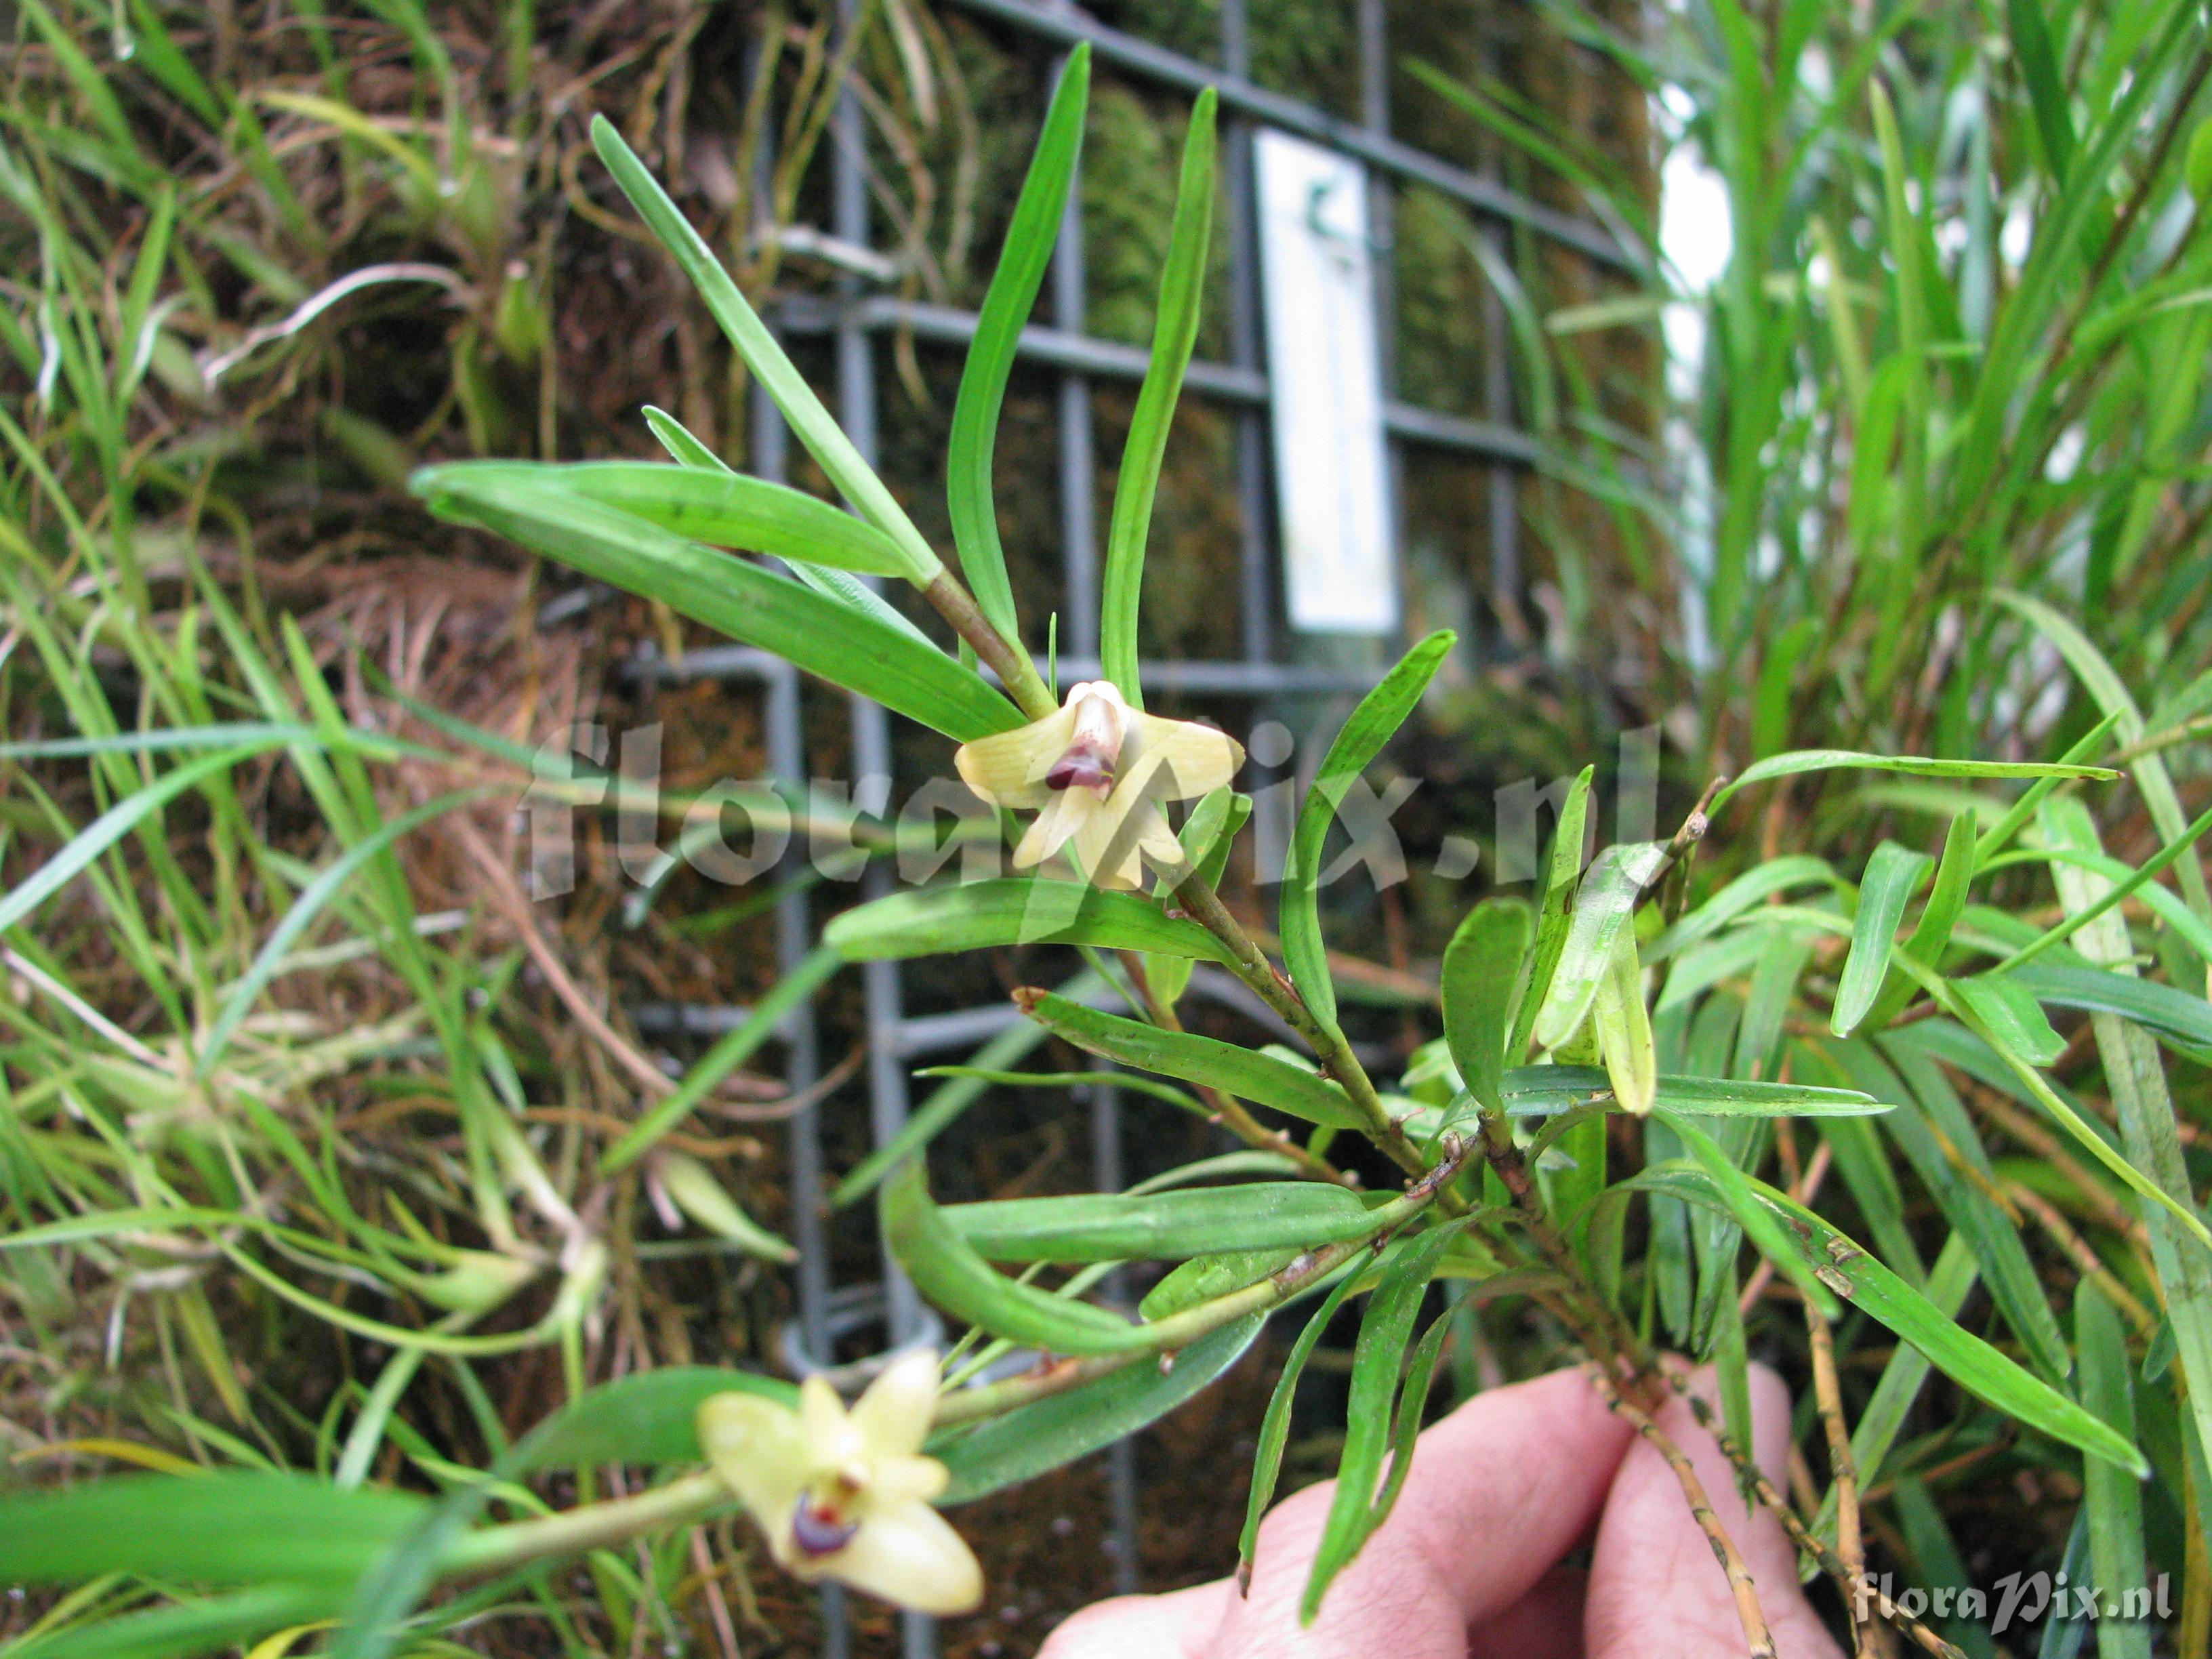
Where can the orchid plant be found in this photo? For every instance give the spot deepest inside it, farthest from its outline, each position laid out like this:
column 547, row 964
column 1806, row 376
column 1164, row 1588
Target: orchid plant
column 1500, row 1137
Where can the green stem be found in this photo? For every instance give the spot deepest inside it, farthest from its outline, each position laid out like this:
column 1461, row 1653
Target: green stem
column 1005, row 658
column 1195, row 895
column 495, row 1550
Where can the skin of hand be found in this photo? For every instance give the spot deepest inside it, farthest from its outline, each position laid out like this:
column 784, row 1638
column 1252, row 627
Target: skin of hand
column 1469, row 1564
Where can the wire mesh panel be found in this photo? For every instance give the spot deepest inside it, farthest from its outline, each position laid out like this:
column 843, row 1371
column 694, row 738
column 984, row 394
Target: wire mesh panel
column 1265, row 671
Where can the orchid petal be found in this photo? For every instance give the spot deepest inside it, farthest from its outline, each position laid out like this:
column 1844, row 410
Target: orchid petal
column 1008, row 768
column 1183, row 759
column 758, row 1449
column 893, row 1416
column 1063, row 816
column 905, row 1480
column 910, row 1555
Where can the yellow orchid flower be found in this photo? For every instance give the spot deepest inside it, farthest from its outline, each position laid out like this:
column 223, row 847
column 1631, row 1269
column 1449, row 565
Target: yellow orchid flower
column 1095, row 774
column 845, row 1495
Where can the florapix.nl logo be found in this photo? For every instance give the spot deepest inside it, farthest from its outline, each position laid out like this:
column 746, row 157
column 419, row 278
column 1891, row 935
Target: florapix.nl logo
column 737, row 830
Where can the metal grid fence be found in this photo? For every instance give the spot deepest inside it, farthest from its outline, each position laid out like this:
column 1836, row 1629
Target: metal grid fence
column 854, row 320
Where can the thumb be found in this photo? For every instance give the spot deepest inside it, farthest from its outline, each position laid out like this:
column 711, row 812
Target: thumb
column 1655, row 1591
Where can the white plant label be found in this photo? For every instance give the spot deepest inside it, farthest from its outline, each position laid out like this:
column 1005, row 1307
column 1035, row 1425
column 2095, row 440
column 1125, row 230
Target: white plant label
column 1324, row 371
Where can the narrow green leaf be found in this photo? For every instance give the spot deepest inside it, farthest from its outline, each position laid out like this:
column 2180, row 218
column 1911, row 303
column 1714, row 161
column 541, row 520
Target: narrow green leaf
column 1919, row 766
column 645, row 1418
column 1547, row 1090
column 1167, row 1226
column 1563, row 871
column 111, row 826
column 825, row 580
column 1602, row 911
column 1752, row 888
column 1967, row 1360
column 1371, row 725
column 2007, row 1007
column 1376, row 1361
column 824, row 438
column 1013, row 910
column 720, row 507
column 2148, row 1126
column 1275, row 1424
column 181, row 1628
column 2159, row 1008
column 1482, row 971
column 1203, row 1278
column 734, row 597
column 1901, row 1380
column 945, row 1268
column 1034, row 1439
column 1258, row 1077
column 1030, row 237
column 1737, row 1192
column 2111, row 1499
column 1892, row 876
column 1623, row 1025
column 237, row 1527
column 1174, row 330
column 2038, row 58
column 1946, row 902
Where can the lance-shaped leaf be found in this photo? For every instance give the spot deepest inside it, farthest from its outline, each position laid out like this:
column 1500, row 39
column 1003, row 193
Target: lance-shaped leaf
column 1175, row 331
column 1556, row 916
column 2009, row 1008
column 1372, row 724
column 1892, row 876
column 1376, row 1361
column 1545, row 1090
column 1014, row 910
column 847, row 590
column 1482, row 973
column 1033, row 1439
column 1258, row 1077
column 1030, row 236
column 721, row 508
column 237, row 1527
column 947, row 1269
column 2162, row 1009
column 1623, row 1025
column 1602, row 910
column 1947, row 901
column 1799, row 761
column 824, row 438
column 1168, row 1226
column 1972, row 1363
column 736, row 598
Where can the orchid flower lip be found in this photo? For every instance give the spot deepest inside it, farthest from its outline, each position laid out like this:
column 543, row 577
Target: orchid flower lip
column 844, row 1492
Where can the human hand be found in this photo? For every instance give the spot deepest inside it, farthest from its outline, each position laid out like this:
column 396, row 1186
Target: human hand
column 1469, row 1564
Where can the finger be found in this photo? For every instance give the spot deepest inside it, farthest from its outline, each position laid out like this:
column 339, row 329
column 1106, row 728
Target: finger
column 1545, row 1624
column 1175, row 1626
column 1498, row 1490
column 1655, row 1591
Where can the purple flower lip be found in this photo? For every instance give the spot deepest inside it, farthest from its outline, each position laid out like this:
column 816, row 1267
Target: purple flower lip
column 817, row 1531
column 1080, row 769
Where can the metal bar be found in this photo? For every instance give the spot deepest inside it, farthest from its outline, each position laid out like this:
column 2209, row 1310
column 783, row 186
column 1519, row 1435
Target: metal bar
column 1246, row 679
column 769, row 452
column 871, row 724
column 1071, row 25
column 1066, row 348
